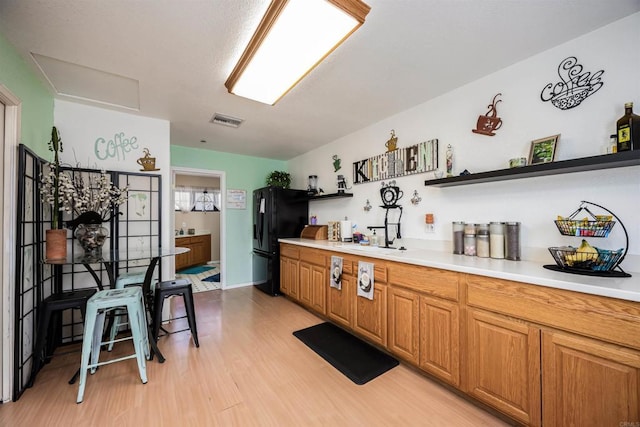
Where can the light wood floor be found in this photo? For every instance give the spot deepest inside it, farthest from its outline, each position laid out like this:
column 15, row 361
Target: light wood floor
column 249, row 371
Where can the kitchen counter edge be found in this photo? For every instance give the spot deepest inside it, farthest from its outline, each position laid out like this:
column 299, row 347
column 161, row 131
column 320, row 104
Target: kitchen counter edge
column 627, row 288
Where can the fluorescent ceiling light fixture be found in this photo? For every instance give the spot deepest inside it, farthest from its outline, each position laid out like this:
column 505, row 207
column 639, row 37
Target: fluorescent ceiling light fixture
column 293, row 37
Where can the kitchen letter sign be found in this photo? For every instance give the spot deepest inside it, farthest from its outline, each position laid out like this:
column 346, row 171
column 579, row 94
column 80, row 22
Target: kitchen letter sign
column 411, row 160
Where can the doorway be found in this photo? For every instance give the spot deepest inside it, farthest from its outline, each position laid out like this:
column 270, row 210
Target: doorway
column 9, row 135
column 200, row 221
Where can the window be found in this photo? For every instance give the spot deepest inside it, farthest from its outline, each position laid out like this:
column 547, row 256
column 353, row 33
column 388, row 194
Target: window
column 197, row 200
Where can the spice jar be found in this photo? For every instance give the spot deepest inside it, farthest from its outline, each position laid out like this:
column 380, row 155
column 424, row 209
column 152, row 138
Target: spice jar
column 458, row 237
column 496, row 239
column 512, row 241
column 482, row 241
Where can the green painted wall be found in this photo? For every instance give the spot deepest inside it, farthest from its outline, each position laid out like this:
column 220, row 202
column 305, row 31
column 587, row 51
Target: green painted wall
column 37, row 102
column 242, row 173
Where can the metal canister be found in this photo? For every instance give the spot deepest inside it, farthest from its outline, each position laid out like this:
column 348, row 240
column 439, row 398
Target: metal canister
column 512, row 241
column 458, row 237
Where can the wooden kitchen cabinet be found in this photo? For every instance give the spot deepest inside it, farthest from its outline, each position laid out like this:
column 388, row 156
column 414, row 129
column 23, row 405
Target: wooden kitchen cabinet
column 289, row 277
column 340, row 302
column 289, row 270
column 404, row 326
column 503, row 365
column 540, row 355
column 586, row 382
column 370, row 316
column 440, row 338
column 313, row 280
column 434, row 318
column 200, row 251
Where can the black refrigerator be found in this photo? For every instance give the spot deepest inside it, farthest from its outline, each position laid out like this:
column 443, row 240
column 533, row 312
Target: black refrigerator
column 277, row 212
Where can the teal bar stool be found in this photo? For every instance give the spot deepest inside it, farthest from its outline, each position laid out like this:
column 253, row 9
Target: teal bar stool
column 97, row 307
column 123, row 280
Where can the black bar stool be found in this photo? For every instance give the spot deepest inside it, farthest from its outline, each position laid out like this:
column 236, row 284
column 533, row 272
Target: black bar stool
column 51, row 305
column 170, row 288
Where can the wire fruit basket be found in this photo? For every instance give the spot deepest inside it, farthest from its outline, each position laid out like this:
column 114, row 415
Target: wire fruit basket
column 569, row 257
column 590, row 261
column 585, row 228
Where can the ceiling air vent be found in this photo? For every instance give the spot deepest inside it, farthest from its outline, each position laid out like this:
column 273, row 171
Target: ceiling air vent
column 221, row 119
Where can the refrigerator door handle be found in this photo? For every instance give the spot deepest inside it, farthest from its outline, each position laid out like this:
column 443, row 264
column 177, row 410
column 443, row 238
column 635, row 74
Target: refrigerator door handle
column 259, row 221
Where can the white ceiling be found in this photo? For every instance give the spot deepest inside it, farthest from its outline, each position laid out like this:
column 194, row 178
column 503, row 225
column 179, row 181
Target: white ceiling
column 180, row 52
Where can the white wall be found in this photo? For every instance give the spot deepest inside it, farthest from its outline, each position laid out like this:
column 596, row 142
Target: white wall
column 86, row 132
column 535, row 202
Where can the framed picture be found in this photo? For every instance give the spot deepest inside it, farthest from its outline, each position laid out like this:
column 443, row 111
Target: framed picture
column 236, row 199
column 543, row 150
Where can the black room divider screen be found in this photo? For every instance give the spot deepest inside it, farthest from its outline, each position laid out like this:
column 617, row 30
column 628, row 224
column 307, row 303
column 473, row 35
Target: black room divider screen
column 137, row 226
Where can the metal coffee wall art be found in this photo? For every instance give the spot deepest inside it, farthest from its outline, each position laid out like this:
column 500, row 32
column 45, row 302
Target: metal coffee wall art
column 490, row 122
column 574, row 85
column 392, row 143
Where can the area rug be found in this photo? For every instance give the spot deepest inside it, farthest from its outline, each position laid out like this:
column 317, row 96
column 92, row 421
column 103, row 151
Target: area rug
column 198, row 282
column 357, row 360
column 214, row 278
column 195, row 270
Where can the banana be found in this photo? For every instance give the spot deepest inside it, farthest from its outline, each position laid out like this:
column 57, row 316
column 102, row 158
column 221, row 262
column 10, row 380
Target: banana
column 587, row 252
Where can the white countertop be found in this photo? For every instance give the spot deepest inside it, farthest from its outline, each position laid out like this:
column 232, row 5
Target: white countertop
column 626, row 288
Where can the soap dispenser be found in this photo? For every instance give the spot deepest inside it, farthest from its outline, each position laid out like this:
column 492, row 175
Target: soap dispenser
column 373, row 239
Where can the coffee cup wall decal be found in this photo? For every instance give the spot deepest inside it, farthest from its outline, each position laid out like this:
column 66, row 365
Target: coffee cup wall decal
column 392, row 143
column 489, row 122
column 147, row 162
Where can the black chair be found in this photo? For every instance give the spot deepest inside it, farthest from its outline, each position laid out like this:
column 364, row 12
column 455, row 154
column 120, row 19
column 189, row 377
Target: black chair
column 170, row 288
column 52, row 306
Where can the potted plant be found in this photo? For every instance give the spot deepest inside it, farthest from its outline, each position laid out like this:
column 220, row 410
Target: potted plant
column 56, row 237
column 92, row 202
column 279, row 179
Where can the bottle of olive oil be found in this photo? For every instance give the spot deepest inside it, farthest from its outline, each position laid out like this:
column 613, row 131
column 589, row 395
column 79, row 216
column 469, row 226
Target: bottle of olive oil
column 628, row 129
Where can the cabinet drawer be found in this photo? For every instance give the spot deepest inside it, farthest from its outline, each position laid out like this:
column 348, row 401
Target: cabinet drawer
column 289, row 251
column 183, row 241
column 609, row 319
column 313, row 257
column 198, row 239
column 431, row 281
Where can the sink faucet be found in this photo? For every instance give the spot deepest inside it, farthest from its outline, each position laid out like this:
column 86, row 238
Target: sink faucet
column 387, row 241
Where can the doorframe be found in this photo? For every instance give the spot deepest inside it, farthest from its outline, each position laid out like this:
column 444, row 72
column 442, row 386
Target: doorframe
column 177, row 170
column 12, row 124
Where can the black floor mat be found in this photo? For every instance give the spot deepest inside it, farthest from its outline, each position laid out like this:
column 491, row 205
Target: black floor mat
column 356, row 359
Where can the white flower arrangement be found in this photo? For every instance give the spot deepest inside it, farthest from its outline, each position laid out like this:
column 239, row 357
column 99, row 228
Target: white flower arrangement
column 77, row 196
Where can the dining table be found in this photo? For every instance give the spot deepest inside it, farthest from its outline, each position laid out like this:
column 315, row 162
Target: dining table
column 110, row 258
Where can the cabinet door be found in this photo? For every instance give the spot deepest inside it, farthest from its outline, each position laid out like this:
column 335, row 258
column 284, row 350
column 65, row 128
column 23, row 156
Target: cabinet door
column 285, row 278
column 197, row 250
column 370, row 316
column 503, row 359
column 319, row 285
column 403, row 311
column 293, row 278
column 588, row 383
column 440, row 339
column 305, row 283
column 340, row 302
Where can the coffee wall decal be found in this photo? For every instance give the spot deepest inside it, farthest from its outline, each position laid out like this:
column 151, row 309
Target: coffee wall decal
column 574, row 85
column 490, row 122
